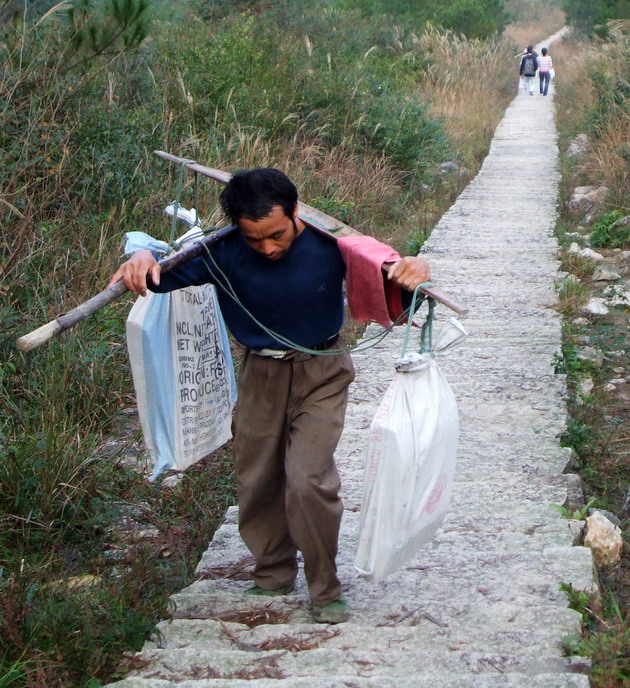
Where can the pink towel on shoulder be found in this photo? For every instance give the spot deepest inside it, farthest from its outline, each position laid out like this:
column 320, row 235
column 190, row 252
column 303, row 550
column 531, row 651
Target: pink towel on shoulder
column 371, row 296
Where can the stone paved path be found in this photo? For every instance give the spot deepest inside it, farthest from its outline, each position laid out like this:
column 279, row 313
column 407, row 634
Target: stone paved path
column 480, row 606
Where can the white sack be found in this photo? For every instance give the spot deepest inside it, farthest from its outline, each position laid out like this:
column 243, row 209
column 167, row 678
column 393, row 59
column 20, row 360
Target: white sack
column 183, row 375
column 410, row 467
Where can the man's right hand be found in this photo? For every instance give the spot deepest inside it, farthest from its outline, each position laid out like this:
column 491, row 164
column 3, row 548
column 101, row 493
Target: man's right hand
column 134, row 272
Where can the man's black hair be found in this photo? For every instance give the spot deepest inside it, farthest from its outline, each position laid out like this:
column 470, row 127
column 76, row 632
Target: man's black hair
column 252, row 194
column 530, row 48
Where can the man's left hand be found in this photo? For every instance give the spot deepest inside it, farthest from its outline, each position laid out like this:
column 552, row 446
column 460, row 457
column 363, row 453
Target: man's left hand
column 409, row 272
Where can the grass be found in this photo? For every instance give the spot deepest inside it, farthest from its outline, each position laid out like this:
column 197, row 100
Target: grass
column 607, row 637
column 448, row 80
column 575, row 514
column 535, row 24
column 579, row 266
column 67, row 632
column 607, row 234
column 572, row 295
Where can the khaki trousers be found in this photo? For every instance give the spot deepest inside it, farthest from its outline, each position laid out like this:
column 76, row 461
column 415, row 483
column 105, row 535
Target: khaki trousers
column 289, row 418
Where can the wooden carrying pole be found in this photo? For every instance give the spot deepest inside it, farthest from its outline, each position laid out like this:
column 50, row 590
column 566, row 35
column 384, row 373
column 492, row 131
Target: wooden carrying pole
column 317, row 219
column 311, row 216
column 67, row 320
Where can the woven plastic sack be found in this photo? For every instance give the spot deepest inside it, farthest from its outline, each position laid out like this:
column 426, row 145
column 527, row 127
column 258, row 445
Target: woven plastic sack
column 410, row 466
column 183, row 375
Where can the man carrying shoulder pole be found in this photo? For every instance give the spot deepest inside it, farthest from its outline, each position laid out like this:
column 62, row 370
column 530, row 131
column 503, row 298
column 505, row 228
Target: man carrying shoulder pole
column 285, row 279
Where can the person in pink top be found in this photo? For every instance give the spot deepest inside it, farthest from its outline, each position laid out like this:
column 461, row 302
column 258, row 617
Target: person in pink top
column 545, row 65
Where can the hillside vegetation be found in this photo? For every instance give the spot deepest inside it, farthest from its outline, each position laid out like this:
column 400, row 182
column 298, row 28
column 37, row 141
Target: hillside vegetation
column 593, row 101
column 359, row 102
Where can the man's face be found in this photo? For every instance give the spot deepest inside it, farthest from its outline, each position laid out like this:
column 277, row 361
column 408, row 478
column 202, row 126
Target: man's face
column 272, row 235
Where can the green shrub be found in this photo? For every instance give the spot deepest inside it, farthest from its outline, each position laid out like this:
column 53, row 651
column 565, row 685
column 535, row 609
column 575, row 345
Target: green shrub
column 344, row 211
column 572, row 295
column 612, row 96
column 402, row 129
column 415, row 241
column 472, row 18
column 578, row 436
column 591, row 16
column 606, row 235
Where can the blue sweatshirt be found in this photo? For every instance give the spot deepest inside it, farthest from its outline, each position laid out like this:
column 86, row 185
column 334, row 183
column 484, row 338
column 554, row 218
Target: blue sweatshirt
column 299, row 296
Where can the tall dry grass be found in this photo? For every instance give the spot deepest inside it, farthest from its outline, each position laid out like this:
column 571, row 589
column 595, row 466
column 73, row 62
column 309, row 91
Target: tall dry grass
column 367, row 184
column 609, row 156
column 469, row 84
column 593, row 98
column 528, row 32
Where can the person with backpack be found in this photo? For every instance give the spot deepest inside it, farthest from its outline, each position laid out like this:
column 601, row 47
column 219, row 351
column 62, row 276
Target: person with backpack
column 545, row 65
column 529, row 66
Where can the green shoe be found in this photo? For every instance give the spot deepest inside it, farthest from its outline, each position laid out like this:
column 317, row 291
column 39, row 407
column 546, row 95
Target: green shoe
column 333, row 613
column 257, row 591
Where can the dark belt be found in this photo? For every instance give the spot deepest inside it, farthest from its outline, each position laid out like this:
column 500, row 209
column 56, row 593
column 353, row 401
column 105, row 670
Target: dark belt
column 327, row 344
column 294, row 354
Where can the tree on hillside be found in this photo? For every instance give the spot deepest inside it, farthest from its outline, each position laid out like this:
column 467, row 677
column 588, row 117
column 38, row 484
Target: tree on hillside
column 587, row 15
column 583, row 14
column 617, row 9
column 473, row 18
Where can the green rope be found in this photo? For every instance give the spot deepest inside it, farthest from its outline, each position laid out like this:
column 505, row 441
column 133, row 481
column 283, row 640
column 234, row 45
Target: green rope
column 427, row 327
column 363, row 346
column 427, row 330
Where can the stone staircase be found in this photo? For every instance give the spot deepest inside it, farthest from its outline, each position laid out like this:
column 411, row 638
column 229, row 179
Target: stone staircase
column 481, row 605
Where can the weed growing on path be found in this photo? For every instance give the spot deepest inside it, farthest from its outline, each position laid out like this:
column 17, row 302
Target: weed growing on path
column 572, row 295
column 575, row 514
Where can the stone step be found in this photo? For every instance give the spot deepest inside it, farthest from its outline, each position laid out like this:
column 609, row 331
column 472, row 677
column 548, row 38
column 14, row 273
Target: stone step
column 481, row 464
column 471, row 551
column 389, row 663
column 529, row 375
column 524, row 462
column 464, row 537
column 464, row 609
column 514, row 501
column 432, row 573
column 225, row 635
column 340, row 680
column 535, row 434
column 483, row 531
